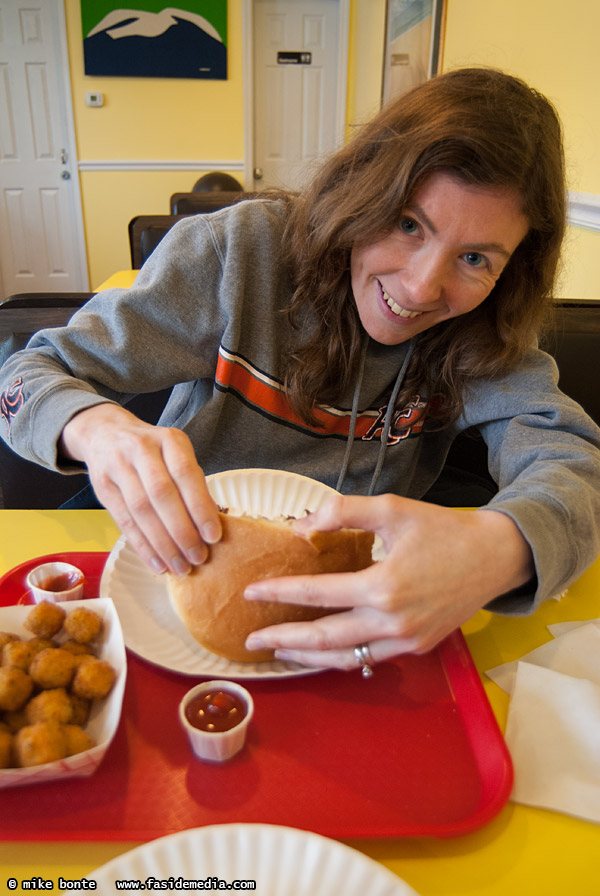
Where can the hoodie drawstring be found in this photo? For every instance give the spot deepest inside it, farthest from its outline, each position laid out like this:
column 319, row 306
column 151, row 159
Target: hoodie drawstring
column 354, row 414
column 388, row 416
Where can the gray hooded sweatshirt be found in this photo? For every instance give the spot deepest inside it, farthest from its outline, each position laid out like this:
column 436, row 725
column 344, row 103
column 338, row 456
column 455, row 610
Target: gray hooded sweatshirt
column 205, row 316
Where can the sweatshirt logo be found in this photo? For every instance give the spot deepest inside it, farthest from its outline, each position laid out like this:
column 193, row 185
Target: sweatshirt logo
column 238, row 376
column 266, row 395
column 405, row 423
column 11, row 401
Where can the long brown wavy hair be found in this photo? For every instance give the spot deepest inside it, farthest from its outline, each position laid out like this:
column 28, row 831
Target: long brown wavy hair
column 482, row 126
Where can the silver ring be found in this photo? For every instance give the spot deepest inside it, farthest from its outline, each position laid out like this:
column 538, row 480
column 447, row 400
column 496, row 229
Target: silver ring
column 364, row 659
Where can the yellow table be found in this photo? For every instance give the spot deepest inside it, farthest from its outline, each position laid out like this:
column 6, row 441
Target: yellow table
column 119, row 278
column 522, row 852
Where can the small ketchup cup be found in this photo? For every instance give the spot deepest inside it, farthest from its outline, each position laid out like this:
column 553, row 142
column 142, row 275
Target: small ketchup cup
column 56, row 582
column 213, row 705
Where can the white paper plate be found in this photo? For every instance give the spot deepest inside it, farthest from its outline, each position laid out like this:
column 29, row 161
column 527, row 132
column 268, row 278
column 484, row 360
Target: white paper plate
column 152, row 629
column 105, row 714
column 281, row 861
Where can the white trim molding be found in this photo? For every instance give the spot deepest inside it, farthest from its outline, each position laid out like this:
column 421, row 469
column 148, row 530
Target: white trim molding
column 584, row 210
column 161, row 165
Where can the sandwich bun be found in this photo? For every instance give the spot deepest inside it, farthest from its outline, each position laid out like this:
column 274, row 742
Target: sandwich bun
column 210, row 600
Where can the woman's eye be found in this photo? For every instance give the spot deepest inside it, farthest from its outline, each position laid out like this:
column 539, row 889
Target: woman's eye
column 475, row 259
column 408, row 225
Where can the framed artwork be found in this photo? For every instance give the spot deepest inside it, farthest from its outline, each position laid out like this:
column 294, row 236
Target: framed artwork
column 146, row 39
column 412, row 45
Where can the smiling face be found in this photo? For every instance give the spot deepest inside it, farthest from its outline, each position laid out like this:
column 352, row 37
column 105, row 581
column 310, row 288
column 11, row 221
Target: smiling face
column 451, row 245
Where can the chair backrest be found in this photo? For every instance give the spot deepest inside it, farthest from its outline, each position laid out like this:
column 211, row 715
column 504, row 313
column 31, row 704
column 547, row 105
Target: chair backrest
column 145, row 233
column 574, row 342
column 24, row 484
column 23, row 314
column 204, row 203
column 45, row 300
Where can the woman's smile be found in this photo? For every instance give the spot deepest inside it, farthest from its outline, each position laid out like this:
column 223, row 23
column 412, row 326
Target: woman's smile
column 396, row 309
column 452, row 243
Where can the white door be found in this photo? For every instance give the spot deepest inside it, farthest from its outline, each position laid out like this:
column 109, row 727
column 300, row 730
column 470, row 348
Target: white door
column 296, row 88
column 41, row 233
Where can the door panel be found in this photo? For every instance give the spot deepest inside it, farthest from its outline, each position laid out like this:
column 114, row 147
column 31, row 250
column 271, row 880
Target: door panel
column 295, row 102
column 39, row 220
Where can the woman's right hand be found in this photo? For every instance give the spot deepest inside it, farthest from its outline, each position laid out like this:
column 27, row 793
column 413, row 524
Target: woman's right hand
column 148, row 479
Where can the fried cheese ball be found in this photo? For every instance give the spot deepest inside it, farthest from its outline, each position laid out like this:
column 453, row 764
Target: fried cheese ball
column 6, row 638
column 18, row 653
column 6, row 747
column 45, row 619
column 52, row 668
column 15, row 687
column 50, row 706
column 79, row 659
column 80, row 707
column 78, row 740
column 83, row 625
column 76, row 648
column 93, row 679
column 15, row 719
column 40, row 743
column 38, row 644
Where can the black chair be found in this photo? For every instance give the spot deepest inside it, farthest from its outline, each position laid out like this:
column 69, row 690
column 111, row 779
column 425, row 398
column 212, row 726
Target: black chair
column 145, row 233
column 574, row 342
column 204, row 203
column 24, row 484
column 23, row 314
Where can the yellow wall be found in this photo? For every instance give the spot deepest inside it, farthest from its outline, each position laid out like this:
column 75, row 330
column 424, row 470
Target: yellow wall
column 143, row 119
column 553, row 46
column 169, row 119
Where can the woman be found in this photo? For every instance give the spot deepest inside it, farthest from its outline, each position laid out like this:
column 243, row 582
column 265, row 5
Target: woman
column 349, row 333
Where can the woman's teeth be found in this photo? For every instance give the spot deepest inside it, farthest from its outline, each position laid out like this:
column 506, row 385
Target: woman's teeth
column 397, row 309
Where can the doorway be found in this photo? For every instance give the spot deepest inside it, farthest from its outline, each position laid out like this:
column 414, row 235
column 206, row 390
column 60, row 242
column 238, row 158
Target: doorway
column 42, row 247
column 296, row 63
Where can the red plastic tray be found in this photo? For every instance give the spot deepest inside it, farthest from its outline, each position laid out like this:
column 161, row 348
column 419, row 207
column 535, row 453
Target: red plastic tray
column 414, row 751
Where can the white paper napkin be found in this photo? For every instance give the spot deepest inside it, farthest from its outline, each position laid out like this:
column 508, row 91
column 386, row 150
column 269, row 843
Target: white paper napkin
column 576, row 653
column 553, row 735
column 553, row 726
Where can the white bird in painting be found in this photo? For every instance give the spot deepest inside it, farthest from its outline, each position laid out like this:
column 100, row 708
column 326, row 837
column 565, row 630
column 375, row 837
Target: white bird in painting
column 148, row 24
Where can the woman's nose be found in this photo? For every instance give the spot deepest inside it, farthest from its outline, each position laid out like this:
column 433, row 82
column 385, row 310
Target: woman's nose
column 426, row 278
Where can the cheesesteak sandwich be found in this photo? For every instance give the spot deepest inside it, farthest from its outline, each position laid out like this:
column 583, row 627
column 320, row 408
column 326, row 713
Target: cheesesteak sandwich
column 210, row 600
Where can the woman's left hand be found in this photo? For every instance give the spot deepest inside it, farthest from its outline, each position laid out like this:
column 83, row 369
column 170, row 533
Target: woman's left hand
column 441, row 566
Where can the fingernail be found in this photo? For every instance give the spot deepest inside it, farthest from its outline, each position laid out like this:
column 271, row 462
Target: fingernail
column 198, row 555
column 180, row 566
column 211, row 533
column 252, row 593
column 157, row 566
column 253, row 642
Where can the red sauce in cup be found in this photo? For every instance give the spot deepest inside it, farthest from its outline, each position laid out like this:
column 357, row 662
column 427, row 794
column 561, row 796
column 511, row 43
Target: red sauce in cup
column 63, row 582
column 215, row 711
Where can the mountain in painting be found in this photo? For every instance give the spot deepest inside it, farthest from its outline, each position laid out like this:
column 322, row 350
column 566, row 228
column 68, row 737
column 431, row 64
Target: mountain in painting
column 173, row 43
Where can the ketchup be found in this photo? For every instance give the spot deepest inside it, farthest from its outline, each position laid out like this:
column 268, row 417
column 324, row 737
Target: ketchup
column 215, row 711
column 63, row 582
